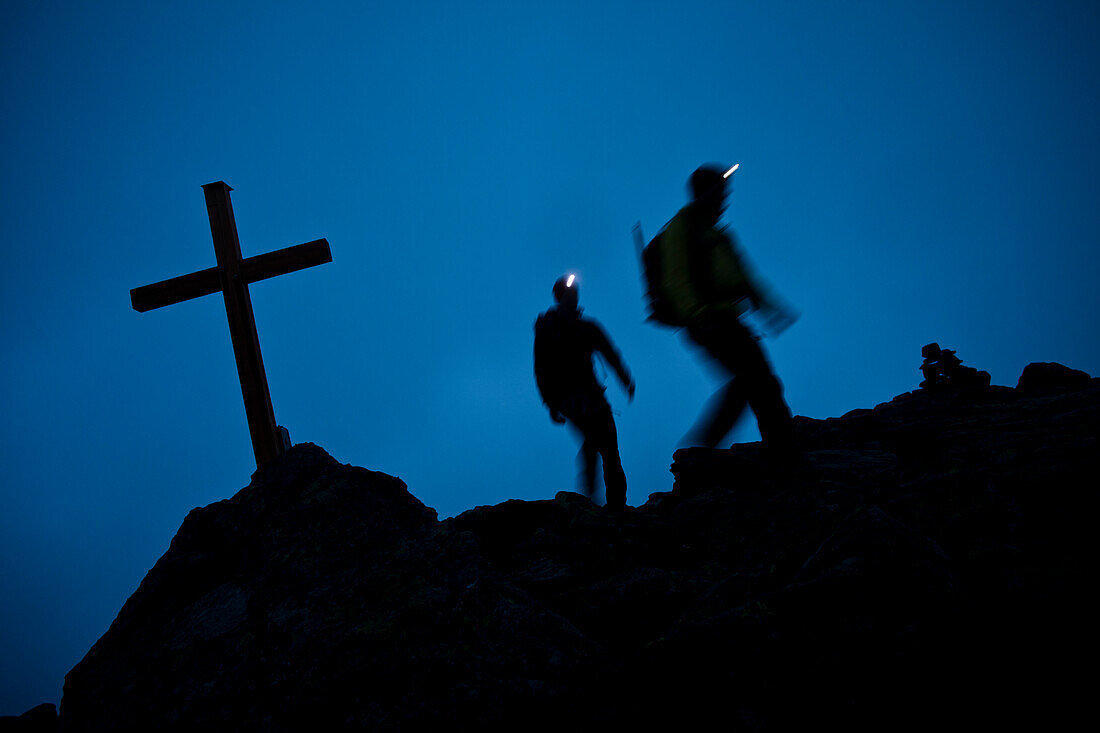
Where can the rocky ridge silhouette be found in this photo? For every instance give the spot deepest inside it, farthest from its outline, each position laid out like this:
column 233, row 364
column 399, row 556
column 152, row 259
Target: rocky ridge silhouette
column 924, row 565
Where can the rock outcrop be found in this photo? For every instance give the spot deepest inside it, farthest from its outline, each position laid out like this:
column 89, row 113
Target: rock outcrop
column 925, row 565
column 39, row 719
column 1046, row 375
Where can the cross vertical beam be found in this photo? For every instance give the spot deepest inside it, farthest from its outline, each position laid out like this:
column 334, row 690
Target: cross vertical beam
column 232, row 277
column 266, row 443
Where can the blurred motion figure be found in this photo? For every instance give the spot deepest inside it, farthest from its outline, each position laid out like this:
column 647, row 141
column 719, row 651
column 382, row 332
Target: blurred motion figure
column 565, row 342
column 697, row 280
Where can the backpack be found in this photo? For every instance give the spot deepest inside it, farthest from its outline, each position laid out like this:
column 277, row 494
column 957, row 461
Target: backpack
column 651, row 256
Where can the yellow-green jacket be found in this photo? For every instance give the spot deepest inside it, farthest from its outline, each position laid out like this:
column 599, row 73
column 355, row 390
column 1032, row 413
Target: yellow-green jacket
column 702, row 272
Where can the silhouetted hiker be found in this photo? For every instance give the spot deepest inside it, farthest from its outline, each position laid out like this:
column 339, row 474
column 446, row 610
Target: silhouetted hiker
column 564, row 344
column 698, row 280
column 941, row 368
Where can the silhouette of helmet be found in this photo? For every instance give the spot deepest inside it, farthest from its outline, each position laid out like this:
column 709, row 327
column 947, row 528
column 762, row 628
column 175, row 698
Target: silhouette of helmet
column 567, row 287
column 707, row 179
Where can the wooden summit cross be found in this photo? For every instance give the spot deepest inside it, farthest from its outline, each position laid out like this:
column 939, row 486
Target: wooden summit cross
column 231, row 277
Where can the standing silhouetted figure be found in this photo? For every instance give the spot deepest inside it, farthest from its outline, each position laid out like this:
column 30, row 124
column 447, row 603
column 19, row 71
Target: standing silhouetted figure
column 706, row 287
column 564, row 344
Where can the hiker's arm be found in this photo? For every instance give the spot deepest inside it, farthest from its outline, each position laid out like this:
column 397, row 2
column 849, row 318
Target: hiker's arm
column 777, row 315
column 757, row 292
column 604, row 346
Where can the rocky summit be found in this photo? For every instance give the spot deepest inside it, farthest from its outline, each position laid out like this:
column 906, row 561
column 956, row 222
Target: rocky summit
column 922, row 565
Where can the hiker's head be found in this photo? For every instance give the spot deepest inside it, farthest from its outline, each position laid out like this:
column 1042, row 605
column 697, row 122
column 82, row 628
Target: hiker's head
column 708, row 187
column 567, row 292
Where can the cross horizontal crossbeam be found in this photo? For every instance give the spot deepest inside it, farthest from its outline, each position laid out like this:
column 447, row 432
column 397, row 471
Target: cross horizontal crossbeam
column 252, row 269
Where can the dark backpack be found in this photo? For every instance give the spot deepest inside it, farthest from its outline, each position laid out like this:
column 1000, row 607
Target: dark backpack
column 651, row 255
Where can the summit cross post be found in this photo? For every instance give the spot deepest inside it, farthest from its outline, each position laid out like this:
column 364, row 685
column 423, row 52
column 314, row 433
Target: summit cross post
column 232, row 277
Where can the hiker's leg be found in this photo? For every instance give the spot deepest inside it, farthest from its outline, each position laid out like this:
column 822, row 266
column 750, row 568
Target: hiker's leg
column 765, row 395
column 719, row 339
column 577, row 415
column 587, row 458
column 614, row 478
column 722, row 413
column 738, row 350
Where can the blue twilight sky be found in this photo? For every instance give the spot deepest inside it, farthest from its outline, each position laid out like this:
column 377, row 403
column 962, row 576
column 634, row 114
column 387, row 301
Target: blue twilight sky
column 911, row 171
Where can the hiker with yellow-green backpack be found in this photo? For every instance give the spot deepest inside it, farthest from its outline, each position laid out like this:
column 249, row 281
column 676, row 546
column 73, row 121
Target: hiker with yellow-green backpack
column 697, row 280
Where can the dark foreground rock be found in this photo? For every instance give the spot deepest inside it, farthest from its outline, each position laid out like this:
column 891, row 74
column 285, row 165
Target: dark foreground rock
column 925, row 566
column 1048, row 375
column 39, row 719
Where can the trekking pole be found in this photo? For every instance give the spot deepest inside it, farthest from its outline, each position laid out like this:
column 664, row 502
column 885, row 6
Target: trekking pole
column 639, row 242
column 639, row 245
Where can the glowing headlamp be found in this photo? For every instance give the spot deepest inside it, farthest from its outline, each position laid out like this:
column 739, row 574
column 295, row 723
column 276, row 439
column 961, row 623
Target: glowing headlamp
column 569, row 281
column 731, row 171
